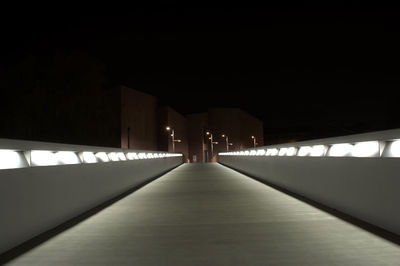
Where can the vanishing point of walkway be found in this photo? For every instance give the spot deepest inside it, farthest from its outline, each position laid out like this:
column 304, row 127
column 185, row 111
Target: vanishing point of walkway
column 207, row 214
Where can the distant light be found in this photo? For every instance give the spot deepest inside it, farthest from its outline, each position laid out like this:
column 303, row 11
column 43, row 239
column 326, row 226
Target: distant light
column 282, row 151
column 207, row 133
column 366, row 149
column 150, row 156
column 253, row 152
column 88, row 157
column 168, row 128
column 155, row 155
column 318, row 150
column 260, row 152
column 113, row 156
column 223, row 135
column 121, row 156
column 252, row 137
column 304, row 151
column 43, row 158
column 67, row 157
column 341, row 149
column 272, row 152
column 102, row 156
column 394, row 149
column 246, row 153
column 11, row 159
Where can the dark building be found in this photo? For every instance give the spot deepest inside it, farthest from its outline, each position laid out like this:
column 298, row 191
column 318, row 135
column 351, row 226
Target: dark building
column 177, row 123
column 126, row 118
column 240, row 131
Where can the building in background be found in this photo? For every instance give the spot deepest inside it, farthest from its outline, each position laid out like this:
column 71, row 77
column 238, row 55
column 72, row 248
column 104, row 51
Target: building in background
column 231, row 128
column 168, row 117
column 126, row 118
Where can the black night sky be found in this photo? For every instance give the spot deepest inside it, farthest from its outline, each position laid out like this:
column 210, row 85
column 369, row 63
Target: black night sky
column 304, row 71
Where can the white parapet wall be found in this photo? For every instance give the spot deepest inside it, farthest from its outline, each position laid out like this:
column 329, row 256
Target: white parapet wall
column 43, row 185
column 357, row 174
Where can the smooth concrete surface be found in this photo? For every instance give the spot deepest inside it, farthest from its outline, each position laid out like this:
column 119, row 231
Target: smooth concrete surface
column 36, row 199
column 208, row 214
column 366, row 188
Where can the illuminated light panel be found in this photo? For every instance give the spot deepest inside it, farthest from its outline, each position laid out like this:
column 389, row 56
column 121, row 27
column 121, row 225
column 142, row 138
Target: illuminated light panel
column 246, row 153
column 88, row 157
column 121, row 156
column 155, row 155
column 304, row 151
column 150, row 156
column 11, row 159
column 341, row 149
column 291, row 151
column 253, row 152
column 282, row 151
column 132, row 156
column 241, row 153
column 43, row 158
column 318, row 150
column 102, row 156
column 394, row 150
column 143, row 155
column 272, row 152
column 366, row 149
column 260, row 152
column 67, row 157
column 113, row 156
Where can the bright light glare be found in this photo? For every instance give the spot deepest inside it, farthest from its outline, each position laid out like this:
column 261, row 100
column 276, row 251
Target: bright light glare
column 121, row 156
column 113, row 156
column 260, row 152
column 143, row 155
column 395, row 149
column 341, row 149
column 11, row 159
column 253, row 152
column 366, row 149
column 43, row 158
column 150, row 156
column 67, row 157
column 282, row 151
column 247, row 153
column 291, row 151
column 102, row 156
column 272, row 152
column 317, row 150
column 132, row 156
column 304, row 151
column 88, row 157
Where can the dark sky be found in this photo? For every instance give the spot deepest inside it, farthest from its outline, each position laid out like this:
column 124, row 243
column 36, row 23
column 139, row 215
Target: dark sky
column 321, row 71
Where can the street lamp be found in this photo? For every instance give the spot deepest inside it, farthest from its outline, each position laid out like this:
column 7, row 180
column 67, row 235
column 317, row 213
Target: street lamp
column 254, row 141
column 227, row 142
column 168, row 128
column 212, row 142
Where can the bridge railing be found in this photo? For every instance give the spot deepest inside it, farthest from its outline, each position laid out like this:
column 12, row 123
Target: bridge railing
column 356, row 174
column 43, row 185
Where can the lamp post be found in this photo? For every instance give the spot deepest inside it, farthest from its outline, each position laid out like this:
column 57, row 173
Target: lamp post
column 212, row 142
column 227, row 142
column 254, row 141
column 172, row 137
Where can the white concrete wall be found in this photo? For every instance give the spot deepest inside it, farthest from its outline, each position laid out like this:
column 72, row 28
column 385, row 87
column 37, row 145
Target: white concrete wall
column 36, row 199
column 366, row 188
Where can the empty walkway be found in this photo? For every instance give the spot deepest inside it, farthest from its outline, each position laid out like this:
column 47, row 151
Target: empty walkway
column 207, row 214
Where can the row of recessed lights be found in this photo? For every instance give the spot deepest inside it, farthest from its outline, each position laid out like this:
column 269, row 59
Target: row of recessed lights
column 358, row 149
column 18, row 159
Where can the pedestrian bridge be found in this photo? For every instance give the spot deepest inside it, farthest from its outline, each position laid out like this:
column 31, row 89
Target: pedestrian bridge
column 207, row 214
